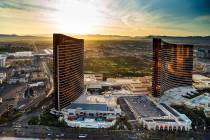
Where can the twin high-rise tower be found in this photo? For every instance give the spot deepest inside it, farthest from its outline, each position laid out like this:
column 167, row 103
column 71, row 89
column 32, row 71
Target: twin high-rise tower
column 172, row 67
column 68, row 69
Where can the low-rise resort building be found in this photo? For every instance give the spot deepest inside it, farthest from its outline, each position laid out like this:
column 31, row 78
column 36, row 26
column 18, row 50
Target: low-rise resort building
column 90, row 115
column 155, row 116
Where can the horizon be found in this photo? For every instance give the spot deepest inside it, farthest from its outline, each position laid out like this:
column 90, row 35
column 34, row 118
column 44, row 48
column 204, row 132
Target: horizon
column 90, row 17
column 114, row 35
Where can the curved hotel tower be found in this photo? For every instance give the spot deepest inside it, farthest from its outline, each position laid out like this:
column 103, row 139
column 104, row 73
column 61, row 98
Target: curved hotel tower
column 68, row 55
column 172, row 66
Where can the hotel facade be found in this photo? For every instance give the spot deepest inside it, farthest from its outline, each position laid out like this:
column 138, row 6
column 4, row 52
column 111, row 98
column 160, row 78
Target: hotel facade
column 172, row 66
column 68, row 69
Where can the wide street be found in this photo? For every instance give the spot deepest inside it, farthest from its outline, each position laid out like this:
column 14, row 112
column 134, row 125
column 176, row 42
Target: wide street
column 49, row 132
column 62, row 133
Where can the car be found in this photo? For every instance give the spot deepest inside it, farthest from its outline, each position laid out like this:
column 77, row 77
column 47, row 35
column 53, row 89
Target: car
column 17, row 126
column 49, row 134
column 62, row 135
column 83, row 135
column 1, row 100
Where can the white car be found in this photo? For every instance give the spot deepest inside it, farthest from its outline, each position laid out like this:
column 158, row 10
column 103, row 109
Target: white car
column 62, row 135
column 82, row 135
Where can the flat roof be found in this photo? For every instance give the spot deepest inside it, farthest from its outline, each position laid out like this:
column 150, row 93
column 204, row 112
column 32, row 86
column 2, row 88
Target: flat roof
column 144, row 107
column 170, row 110
column 202, row 99
column 83, row 106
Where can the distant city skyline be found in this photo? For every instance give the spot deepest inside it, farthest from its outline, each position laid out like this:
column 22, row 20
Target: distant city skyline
column 108, row 17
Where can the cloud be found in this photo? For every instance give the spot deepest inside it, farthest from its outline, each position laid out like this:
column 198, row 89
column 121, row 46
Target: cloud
column 26, row 6
column 203, row 18
column 119, row 16
column 172, row 28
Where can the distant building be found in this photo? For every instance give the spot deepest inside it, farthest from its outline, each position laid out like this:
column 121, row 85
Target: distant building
column 208, row 54
column 2, row 60
column 99, row 77
column 37, row 77
column 3, row 76
column 36, row 60
column 172, row 67
column 203, row 52
column 22, row 54
column 68, row 55
column 206, row 68
column 16, row 80
column 207, row 110
column 48, row 51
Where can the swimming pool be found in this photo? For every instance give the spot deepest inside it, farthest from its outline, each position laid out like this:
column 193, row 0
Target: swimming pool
column 201, row 100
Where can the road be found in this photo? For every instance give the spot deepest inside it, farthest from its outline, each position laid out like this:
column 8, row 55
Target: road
column 39, row 131
column 37, row 100
column 46, row 70
column 33, row 102
column 50, row 77
column 64, row 133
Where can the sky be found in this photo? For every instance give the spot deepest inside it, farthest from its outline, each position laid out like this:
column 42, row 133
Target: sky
column 109, row 17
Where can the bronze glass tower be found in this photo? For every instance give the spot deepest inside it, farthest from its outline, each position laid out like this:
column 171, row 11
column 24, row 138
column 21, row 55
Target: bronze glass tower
column 68, row 55
column 172, row 66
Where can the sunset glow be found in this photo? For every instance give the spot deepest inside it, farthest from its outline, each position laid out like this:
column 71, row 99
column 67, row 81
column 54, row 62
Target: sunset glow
column 76, row 17
column 115, row 17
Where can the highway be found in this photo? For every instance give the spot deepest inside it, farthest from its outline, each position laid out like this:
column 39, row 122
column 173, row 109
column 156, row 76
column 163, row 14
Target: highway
column 50, row 78
column 47, row 71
